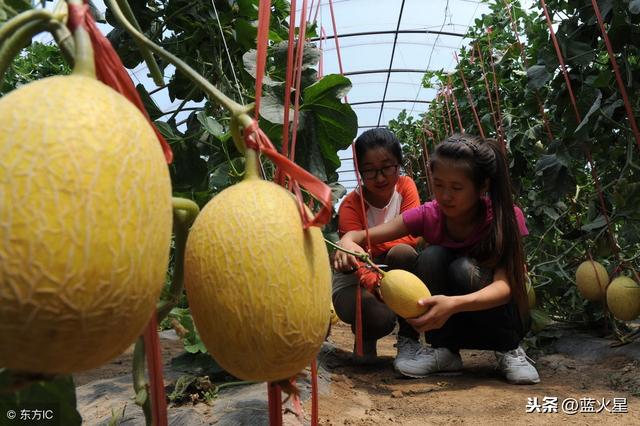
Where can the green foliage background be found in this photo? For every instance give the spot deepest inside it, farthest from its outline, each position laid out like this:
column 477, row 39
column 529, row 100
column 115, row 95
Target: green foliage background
column 551, row 175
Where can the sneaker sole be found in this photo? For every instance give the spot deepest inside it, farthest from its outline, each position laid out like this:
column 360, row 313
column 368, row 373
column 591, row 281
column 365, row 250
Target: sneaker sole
column 437, row 373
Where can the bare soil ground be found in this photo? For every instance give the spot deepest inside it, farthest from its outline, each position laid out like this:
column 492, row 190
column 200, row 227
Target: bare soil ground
column 352, row 394
column 372, row 395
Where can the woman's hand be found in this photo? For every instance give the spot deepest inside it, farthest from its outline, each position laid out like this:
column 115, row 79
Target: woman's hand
column 440, row 308
column 343, row 261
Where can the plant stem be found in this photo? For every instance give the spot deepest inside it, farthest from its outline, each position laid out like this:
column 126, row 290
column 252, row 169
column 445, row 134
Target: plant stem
column 9, row 28
column 140, row 385
column 64, row 40
column 84, row 62
column 363, row 257
column 184, row 213
column 210, row 89
column 154, row 69
column 17, row 42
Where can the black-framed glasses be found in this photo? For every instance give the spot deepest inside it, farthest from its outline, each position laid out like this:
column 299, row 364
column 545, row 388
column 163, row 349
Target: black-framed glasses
column 386, row 171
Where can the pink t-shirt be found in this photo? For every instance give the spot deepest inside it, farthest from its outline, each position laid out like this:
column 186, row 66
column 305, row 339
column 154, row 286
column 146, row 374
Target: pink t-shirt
column 428, row 221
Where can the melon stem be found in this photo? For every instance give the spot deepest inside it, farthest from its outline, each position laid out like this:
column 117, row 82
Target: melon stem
column 251, row 164
column 20, row 39
column 184, row 214
column 213, row 92
column 363, row 257
column 9, row 28
column 84, row 62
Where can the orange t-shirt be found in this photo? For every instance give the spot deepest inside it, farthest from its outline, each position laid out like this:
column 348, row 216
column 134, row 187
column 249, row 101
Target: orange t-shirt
column 350, row 217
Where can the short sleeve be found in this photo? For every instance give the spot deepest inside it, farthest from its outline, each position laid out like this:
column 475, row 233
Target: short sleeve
column 424, row 221
column 522, row 224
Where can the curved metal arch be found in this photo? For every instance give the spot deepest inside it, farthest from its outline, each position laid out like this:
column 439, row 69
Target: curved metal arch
column 367, row 33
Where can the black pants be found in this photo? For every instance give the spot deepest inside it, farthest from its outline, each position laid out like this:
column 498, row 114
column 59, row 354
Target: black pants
column 446, row 273
column 377, row 319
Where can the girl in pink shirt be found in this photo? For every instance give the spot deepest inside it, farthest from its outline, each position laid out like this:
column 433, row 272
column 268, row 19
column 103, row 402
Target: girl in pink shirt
column 473, row 264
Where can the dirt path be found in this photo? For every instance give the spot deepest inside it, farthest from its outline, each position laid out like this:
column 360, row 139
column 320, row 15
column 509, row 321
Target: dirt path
column 376, row 395
column 361, row 395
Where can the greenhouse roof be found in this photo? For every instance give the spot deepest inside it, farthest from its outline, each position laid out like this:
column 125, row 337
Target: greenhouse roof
column 385, row 48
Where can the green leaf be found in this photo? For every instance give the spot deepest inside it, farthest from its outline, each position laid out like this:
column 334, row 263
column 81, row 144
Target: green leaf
column 210, row 124
column 246, row 32
column 597, row 223
column 594, row 107
column 272, row 106
column 556, row 176
column 579, row 53
column 56, row 398
column 148, row 102
column 537, row 76
column 336, row 124
column 10, row 8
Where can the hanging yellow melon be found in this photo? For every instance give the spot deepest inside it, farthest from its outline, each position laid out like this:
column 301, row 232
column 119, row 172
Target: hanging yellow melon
column 623, row 298
column 85, row 225
column 258, row 284
column 592, row 279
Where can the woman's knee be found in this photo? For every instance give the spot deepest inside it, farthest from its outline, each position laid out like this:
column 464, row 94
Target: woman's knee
column 401, row 256
column 431, row 267
column 466, row 276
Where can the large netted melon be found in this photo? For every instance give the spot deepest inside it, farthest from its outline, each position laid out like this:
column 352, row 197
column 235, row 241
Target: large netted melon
column 623, row 298
column 401, row 290
column 592, row 279
column 258, row 284
column 85, row 225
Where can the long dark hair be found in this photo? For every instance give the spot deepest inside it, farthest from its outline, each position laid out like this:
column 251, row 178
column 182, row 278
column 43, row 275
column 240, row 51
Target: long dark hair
column 378, row 138
column 481, row 160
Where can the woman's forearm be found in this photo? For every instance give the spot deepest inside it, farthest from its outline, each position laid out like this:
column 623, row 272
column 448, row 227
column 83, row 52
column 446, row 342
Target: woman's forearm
column 495, row 294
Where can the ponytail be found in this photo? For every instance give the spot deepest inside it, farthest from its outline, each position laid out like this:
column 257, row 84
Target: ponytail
column 505, row 241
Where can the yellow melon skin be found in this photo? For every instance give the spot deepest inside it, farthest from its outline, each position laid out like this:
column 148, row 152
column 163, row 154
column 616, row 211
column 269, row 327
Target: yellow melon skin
column 401, row 291
column 592, row 279
column 258, row 285
column 623, row 298
column 85, row 225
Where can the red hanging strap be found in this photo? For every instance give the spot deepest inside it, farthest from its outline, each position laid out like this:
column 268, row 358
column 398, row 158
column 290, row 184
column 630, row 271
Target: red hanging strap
column 298, row 77
column 616, row 71
column 592, row 165
column 445, row 95
column 514, row 27
column 470, row 98
column 154, row 367
column 563, row 67
column 337, row 42
column 444, row 119
column 274, row 395
column 255, row 139
column 109, row 67
column 264, row 16
column 455, row 105
column 314, row 392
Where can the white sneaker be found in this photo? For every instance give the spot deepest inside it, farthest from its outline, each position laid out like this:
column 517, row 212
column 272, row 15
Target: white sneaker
column 429, row 360
column 516, row 366
column 407, row 349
